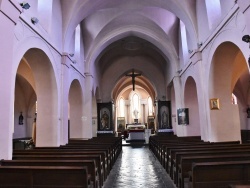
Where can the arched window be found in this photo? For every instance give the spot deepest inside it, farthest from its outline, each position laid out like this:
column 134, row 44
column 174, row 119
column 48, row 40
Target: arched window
column 136, row 105
column 234, row 99
column 121, row 107
column 77, row 42
column 184, row 45
column 213, row 12
column 150, row 106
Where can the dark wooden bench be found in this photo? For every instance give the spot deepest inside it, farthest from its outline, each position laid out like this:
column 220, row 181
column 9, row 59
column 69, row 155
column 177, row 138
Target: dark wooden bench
column 219, row 174
column 43, row 176
column 170, row 149
column 90, row 164
column 68, row 152
column 186, row 163
column 109, row 153
column 97, row 159
column 109, row 159
column 239, row 186
column 202, row 153
column 172, row 161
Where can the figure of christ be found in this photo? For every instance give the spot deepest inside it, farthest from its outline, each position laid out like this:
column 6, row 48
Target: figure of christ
column 133, row 75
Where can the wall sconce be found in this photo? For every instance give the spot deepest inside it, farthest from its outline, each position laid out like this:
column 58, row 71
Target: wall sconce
column 246, row 38
column 71, row 55
column 248, row 112
column 74, row 61
column 25, row 5
column 20, row 119
column 34, row 20
column 179, row 71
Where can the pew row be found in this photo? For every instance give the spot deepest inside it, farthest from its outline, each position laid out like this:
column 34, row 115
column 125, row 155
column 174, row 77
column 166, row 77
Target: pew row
column 90, row 164
column 219, row 174
column 97, row 159
column 44, row 176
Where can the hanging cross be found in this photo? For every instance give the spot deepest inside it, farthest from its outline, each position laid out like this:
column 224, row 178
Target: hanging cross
column 133, row 75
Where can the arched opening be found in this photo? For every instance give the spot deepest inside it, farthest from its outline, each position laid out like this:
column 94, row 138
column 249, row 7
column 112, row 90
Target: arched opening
column 191, row 102
column 25, row 102
column 75, row 110
column 229, row 119
column 40, row 93
column 134, row 106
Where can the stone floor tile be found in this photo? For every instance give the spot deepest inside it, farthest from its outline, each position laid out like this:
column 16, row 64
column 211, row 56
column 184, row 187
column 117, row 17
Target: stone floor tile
column 137, row 167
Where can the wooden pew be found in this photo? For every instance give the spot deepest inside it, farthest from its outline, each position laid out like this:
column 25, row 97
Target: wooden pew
column 68, row 152
column 186, row 163
column 109, row 160
column 172, row 161
column 215, row 152
column 171, row 149
column 90, row 164
column 43, row 176
column 239, row 186
column 109, row 154
column 97, row 159
column 219, row 174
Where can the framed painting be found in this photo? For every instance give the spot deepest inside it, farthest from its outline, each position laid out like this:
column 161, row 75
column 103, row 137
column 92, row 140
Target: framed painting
column 214, row 104
column 183, row 116
column 151, row 122
column 164, row 115
column 120, row 124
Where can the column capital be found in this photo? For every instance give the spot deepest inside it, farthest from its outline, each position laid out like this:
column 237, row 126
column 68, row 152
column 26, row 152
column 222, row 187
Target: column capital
column 87, row 74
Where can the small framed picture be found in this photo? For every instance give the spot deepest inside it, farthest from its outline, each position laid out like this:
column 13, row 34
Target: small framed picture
column 214, row 104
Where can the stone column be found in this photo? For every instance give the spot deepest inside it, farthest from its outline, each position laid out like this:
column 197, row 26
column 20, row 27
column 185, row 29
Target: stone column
column 65, row 99
column 87, row 107
column 9, row 15
column 178, row 102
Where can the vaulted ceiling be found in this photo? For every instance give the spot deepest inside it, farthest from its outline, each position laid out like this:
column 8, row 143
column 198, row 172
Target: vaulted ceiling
column 130, row 34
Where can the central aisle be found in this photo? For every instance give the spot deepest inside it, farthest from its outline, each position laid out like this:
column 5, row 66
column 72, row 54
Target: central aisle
column 137, row 167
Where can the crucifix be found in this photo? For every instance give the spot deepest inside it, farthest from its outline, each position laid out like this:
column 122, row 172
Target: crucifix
column 133, row 75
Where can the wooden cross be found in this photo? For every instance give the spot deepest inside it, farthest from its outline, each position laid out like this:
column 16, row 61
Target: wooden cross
column 133, row 75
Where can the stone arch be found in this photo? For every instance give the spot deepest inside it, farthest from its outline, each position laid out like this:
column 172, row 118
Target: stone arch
column 45, row 87
column 24, row 101
column 75, row 110
column 191, row 102
column 228, row 59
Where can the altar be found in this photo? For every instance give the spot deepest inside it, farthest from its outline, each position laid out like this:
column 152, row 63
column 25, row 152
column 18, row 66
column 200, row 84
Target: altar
column 136, row 132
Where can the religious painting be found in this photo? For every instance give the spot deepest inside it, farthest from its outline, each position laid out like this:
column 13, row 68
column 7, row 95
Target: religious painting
column 104, row 116
column 183, row 116
column 164, row 115
column 151, row 122
column 105, row 119
column 214, row 104
column 120, row 124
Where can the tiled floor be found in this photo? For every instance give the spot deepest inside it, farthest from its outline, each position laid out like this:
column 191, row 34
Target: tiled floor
column 137, row 167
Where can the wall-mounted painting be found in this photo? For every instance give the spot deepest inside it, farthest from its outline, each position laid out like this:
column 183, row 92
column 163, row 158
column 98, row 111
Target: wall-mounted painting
column 164, row 115
column 105, row 121
column 214, row 104
column 120, row 124
column 151, row 122
column 183, row 116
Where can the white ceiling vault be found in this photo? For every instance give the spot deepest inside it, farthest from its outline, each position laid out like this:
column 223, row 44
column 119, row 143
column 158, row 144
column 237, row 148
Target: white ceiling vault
column 121, row 35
